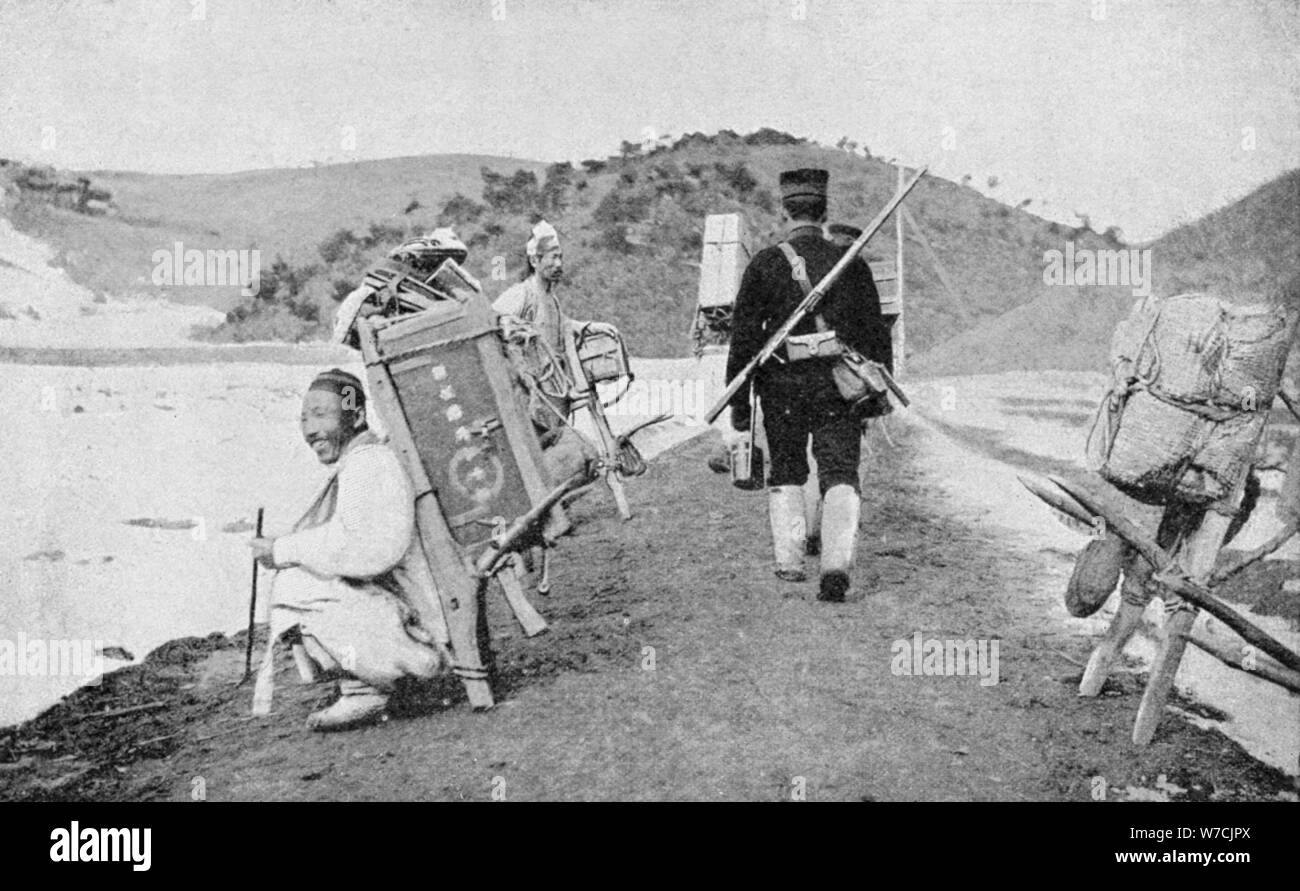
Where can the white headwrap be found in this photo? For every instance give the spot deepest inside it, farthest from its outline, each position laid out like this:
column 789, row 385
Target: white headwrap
column 544, row 239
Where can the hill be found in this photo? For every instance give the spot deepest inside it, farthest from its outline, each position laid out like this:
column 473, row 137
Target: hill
column 1245, row 252
column 991, row 250
column 283, row 212
column 631, row 225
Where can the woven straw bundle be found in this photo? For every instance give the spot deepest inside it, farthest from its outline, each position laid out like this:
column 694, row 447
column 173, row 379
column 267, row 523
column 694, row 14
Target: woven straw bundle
column 1192, row 382
column 1151, row 447
column 1257, row 346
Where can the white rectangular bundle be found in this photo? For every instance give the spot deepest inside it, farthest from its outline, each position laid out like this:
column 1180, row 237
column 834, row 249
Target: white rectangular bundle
column 723, row 261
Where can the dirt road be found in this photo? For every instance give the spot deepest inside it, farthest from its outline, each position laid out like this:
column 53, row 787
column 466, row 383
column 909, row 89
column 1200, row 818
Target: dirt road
column 678, row 667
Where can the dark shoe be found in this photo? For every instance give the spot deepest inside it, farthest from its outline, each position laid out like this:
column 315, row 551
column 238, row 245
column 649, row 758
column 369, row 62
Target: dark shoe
column 792, row 575
column 833, row 587
column 813, row 546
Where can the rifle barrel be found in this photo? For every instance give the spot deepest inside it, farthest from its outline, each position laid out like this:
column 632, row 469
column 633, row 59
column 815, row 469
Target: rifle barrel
column 893, row 385
column 507, row 540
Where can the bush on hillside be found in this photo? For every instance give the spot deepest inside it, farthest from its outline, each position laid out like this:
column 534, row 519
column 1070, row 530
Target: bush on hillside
column 337, row 246
column 554, row 196
column 613, row 238
column 768, row 136
column 662, row 208
column 626, row 204
column 43, row 184
column 737, row 178
column 515, row 194
column 460, row 210
column 289, row 306
column 345, row 248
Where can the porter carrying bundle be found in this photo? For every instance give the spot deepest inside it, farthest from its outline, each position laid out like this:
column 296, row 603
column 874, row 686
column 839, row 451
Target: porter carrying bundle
column 395, row 287
column 1192, row 380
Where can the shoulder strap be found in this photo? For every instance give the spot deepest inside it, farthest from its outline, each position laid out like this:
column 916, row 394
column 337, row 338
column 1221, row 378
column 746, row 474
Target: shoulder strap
column 800, row 272
column 322, row 508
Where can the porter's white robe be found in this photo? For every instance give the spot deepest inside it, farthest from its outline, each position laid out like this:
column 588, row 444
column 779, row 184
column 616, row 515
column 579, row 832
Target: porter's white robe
column 358, row 574
column 528, row 301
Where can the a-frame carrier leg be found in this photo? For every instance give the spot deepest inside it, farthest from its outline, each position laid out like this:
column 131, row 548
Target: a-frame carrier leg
column 1196, row 558
column 458, row 589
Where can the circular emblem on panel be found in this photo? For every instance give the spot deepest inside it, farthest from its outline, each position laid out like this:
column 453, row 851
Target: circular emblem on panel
column 477, row 473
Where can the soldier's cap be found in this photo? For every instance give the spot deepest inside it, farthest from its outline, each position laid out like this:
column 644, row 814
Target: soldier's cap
column 544, row 239
column 806, row 182
column 346, row 386
column 844, row 230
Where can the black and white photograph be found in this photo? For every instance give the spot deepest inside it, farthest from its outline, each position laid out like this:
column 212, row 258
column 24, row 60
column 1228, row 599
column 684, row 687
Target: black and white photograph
column 794, row 401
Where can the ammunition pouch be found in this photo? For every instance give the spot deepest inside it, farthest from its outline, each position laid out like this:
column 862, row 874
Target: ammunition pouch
column 821, row 345
column 859, row 380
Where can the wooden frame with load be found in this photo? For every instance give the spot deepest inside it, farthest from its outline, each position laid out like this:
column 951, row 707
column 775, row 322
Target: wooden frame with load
column 443, row 388
column 1214, row 369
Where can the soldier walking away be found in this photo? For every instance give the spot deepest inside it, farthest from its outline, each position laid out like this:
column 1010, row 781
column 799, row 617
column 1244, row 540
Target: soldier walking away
column 797, row 392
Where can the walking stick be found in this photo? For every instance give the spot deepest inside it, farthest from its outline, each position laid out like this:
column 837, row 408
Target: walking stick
column 252, row 609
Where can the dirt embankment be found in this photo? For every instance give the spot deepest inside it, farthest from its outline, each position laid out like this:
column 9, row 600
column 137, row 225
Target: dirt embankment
column 677, row 667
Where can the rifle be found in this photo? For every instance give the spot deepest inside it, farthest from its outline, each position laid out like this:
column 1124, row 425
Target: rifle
column 506, row 541
column 809, row 303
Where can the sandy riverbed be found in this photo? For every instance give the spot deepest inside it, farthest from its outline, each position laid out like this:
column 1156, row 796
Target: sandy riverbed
column 130, row 493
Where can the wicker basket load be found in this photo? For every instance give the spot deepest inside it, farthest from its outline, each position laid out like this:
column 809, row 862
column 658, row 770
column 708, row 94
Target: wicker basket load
column 602, row 353
column 1192, row 381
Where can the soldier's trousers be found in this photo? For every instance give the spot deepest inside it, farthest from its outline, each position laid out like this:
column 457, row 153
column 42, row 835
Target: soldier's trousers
column 789, row 419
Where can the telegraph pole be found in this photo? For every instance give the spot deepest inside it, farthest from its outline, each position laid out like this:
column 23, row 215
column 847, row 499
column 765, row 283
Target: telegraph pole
column 900, row 332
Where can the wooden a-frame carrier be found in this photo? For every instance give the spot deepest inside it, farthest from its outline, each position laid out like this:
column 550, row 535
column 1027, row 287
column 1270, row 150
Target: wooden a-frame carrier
column 441, row 385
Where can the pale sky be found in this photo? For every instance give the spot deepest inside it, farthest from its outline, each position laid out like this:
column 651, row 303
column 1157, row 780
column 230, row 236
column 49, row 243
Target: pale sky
column 1141, row 113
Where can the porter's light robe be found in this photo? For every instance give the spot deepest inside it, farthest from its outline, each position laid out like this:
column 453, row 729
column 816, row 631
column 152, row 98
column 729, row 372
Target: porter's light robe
column 358, row 576
column 528, row 301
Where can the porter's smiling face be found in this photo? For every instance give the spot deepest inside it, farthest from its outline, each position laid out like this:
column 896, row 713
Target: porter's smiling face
column 326, row 425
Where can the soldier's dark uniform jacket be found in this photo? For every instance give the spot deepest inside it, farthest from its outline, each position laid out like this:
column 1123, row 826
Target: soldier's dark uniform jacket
column 800, row 398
